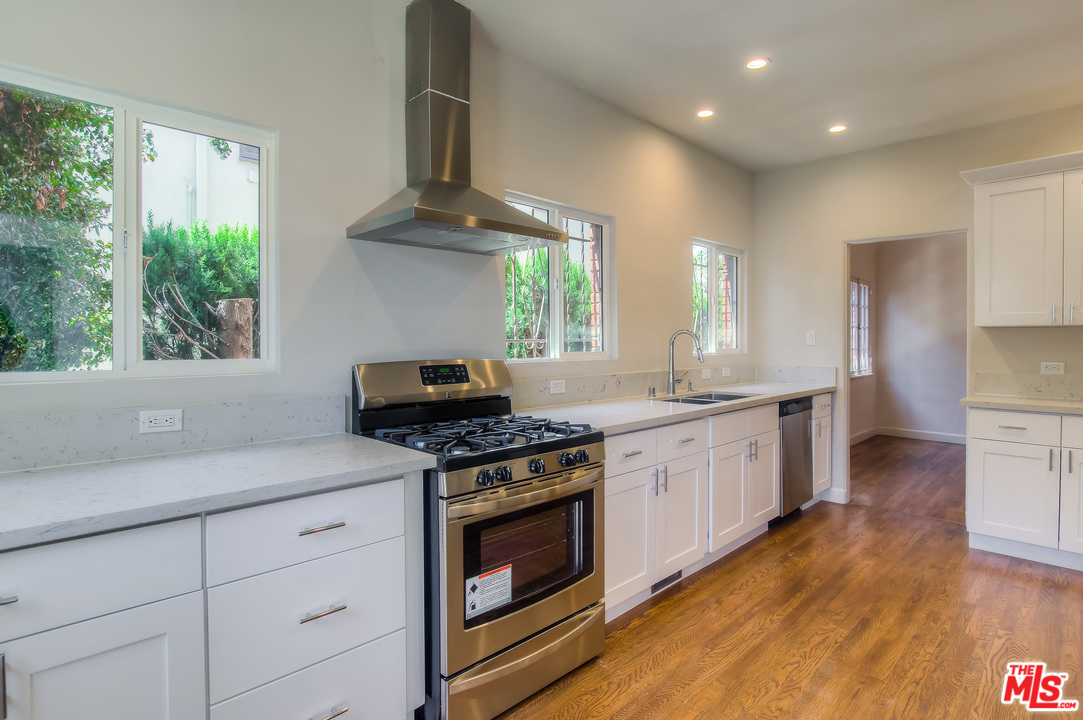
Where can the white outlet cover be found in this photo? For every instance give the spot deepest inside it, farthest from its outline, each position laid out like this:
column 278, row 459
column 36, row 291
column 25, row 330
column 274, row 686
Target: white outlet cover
column 556, row 387
column 1052, row 368
column 158, row 421
column 725, row 372
column 705, row 373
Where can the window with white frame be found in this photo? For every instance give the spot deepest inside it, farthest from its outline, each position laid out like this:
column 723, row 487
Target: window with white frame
column 860, row 354
column 133, row 238
column 556, row 298
column 717, row 295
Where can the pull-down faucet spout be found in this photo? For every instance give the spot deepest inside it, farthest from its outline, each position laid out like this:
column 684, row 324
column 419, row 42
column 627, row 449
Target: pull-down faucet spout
column 699, row 352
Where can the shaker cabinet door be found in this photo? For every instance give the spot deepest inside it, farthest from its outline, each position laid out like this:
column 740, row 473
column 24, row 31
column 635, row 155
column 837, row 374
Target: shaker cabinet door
column 1013, row 491
column 681, row 516
column 629, row 533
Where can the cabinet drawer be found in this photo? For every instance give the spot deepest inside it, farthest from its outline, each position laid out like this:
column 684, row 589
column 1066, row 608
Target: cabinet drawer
column 625, row 453
column 80, row 579
column 676, row 441
column 369, row 680
column 763, row 419
column 730, row 427
column 1033, row 428
column 1072, row 430
column 821, row 405
column 246, row 542
column 255, row 627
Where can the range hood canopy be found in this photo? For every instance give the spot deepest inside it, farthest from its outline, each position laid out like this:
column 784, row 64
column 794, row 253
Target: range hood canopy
column 439, row 208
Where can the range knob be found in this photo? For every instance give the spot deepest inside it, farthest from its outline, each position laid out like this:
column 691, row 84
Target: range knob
column 582, row 457
column 566, row 460
column 485, row 477
column 536, row 465
column 503, row 474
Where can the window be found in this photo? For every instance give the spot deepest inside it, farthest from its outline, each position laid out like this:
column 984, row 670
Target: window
column 860, row 357
column 133, row 239
column 556, row 298
column 716, row 295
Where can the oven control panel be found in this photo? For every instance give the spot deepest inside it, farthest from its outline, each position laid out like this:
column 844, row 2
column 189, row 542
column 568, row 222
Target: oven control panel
column 444, row 374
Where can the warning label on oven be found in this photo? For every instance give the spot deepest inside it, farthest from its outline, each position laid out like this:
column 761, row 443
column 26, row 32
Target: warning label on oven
column 487, row 591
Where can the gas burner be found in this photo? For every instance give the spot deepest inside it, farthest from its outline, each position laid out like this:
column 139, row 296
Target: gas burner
column 479, row 434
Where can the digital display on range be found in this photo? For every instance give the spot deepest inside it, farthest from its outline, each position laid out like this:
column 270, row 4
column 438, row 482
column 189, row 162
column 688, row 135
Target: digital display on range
column 444, row 375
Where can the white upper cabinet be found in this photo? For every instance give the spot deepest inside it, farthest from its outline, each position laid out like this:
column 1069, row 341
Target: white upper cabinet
column 1028, row 242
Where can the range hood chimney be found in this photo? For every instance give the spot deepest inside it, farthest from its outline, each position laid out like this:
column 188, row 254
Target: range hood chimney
column 439, row 208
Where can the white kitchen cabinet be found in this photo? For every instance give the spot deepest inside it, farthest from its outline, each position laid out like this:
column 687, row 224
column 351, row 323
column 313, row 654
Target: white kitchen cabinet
column 1013, row 491
column 821, row 443
column 1071, row 486
column 655, row 510
column 1028, row 250
column 743, row 473
column 140, row 664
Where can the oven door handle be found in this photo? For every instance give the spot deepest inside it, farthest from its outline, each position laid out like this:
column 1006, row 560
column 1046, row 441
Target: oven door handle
column 479, row 506
column 465, row 682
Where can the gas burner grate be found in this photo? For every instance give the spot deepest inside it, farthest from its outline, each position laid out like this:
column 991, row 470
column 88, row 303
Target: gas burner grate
column 481, row 434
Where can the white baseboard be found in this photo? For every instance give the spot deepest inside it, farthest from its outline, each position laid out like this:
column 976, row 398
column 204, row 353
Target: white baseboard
column 1036, row 553
column 906, row 433
column 835, row 495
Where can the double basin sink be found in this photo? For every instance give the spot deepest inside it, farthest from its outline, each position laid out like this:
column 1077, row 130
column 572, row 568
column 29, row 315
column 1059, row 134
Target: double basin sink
column 708, row 398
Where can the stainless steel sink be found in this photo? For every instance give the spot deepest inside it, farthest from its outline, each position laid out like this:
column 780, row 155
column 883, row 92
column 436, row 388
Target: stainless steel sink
column 707, row 398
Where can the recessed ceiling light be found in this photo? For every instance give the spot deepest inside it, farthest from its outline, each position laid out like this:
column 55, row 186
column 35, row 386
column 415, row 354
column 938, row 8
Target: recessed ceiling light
column 757, row 63
column 836, row 128
column 705, row 113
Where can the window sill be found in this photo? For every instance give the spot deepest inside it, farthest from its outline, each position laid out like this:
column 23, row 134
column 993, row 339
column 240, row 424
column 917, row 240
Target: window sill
column 861, row 375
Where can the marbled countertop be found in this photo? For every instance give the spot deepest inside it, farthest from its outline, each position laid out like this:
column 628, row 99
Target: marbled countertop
column 1023, row 404
column 615, row 417
column 48, row 504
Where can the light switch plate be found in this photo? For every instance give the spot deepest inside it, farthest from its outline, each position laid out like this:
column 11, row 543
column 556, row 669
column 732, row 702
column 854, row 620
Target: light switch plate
column 705, row 373
column 725, row 372
column 810, row 337
column 556, row 387
column 1052, row 368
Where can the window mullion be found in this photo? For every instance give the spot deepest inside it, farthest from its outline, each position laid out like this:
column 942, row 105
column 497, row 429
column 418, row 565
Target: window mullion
column 556, row 300
column 712, row 321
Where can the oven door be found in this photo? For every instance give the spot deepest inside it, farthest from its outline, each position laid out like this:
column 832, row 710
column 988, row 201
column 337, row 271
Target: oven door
column 519, row 561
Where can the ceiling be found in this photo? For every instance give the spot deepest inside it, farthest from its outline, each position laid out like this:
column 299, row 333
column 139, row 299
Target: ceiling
column 892, row 70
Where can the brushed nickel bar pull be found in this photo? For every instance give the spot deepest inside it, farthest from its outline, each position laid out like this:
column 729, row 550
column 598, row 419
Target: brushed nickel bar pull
column 335, row 712
column 1069, row 462
column 756, row 449
column 1011, row 427
column 1071, row 313
column 313, row 531
column 1054, row 320
column 682, row 441
column 3, row 688
column 665, row 474
column 9, row 600
column 1050, row 459
column 631, row 454
column 654, row 476
column 329, row 611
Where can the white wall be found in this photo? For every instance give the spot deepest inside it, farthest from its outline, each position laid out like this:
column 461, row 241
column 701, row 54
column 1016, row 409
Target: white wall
column 327, row 76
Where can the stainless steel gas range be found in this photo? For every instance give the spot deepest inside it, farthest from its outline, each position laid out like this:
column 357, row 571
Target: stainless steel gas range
column 514, row 531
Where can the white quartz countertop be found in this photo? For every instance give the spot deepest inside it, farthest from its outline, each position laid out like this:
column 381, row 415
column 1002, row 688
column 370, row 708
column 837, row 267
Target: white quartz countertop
column 1023, row 404
column 47, row 504
column 614, row 417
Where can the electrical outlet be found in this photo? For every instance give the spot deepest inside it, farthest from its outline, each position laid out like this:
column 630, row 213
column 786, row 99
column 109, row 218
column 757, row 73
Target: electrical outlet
column 1052, row 368
column 705, row 373
column 556, row 387
column 156, row 421
column 810, row 337
column 725, row 372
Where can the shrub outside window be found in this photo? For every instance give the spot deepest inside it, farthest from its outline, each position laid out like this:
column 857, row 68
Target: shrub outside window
column 556, row 298
column 860, row 353
column 133, row 239
column 716, row 295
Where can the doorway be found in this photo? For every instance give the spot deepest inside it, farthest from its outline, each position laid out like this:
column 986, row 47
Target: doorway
column 907, row 350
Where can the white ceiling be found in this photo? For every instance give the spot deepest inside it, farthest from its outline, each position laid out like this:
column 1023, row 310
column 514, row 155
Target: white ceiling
column 892, row 70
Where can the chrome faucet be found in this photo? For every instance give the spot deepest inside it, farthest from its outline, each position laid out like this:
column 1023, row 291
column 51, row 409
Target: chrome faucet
column 699, row 352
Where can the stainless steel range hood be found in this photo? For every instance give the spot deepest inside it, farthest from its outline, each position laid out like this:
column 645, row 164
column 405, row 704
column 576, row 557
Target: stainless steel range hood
column 439, row 208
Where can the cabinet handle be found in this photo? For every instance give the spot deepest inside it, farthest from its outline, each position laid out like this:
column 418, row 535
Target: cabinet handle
column 10, row 600
column 631, row 454
column 335, row 712
column 3, row 688
column 682, row 441
column 1054, row 320
column 1011, row 427
column 313, row 531
column 665, row 474
column 654, row 476
column 818, row 429
column 1071, row 313
column 1069, row 462
column 755, row 451
column 1050, row 459
column 329, row 611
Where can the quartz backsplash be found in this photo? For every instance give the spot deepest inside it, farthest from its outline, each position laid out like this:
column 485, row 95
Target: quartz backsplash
column 53, row 439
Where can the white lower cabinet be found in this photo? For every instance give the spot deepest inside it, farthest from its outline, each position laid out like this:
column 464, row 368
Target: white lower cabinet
column 1071, row 486
column 1013, row 491
column 744, row 473
column 140, row 664
column 656, row 508
column 821, row 443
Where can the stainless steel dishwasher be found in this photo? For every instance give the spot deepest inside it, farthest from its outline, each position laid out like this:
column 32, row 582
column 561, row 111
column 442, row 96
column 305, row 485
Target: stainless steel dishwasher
column 795, row 417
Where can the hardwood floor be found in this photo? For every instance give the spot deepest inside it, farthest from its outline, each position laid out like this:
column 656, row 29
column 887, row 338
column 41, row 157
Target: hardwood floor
column 848, row 611
column 912, row 476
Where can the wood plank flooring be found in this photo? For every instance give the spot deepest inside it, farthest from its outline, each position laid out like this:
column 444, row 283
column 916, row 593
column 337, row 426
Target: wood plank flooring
column 912, row 476
column 848, row 611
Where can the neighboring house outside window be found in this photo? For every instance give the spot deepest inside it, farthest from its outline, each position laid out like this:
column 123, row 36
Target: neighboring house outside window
column 717, row 292
column 860, row 354
column 133, row 238
column 556, row 301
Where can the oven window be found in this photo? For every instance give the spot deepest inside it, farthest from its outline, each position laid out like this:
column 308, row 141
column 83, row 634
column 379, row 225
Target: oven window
column 524, row 556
